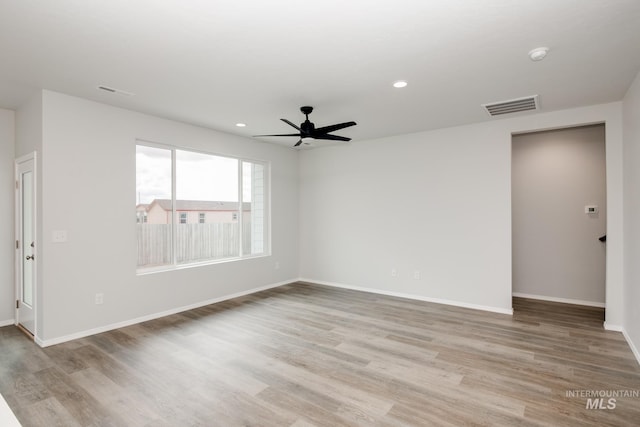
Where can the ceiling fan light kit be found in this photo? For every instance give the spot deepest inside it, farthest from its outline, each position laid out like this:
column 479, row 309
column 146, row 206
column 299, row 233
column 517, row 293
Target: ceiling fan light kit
column 308, row 130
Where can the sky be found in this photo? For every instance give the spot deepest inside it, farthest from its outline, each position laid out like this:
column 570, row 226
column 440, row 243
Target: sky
column 198, row 176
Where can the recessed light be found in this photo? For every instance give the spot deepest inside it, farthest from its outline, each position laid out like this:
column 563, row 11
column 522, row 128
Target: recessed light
column 538, row 53
column 400, row 83
column 241, row 125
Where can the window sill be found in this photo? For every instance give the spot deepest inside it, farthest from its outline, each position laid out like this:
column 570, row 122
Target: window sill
column 174, row 267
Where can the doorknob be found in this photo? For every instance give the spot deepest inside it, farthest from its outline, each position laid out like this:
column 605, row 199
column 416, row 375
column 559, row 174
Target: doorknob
column 31, row 257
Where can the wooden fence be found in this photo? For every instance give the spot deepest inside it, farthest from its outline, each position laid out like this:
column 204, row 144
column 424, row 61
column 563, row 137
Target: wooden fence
column 194, row 242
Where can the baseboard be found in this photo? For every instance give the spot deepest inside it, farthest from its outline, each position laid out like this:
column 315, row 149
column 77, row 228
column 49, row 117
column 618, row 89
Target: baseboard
column 562, row 300
column 634, row 349
column 8, row 322
column 612, row 327
column 411, row 296
column 101, row 329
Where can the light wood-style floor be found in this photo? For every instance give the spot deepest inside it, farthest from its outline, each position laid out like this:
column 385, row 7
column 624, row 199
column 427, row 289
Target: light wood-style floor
column 309, row 355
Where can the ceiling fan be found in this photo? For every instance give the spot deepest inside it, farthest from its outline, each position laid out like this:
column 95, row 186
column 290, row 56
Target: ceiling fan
column 308, row 129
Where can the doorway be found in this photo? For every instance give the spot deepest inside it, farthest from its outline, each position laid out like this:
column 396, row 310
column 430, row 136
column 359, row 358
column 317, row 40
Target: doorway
column 559, row 215
column 25, row 198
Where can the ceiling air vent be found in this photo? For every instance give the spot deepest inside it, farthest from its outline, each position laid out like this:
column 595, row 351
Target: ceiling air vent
column 114, row 90
column 512, row 106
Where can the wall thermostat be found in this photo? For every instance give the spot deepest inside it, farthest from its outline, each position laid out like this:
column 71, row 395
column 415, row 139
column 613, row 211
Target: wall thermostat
column 591, row 209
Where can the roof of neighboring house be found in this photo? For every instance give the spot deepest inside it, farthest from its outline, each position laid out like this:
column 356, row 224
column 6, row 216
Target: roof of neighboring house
column 199, row 205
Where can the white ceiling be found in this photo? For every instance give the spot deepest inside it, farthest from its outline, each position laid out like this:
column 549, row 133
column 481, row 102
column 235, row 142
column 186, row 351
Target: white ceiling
column 218, row 62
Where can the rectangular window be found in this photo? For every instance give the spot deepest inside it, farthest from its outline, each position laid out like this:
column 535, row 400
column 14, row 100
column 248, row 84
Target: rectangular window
column 198, row 207
column 253, row 203
column 153, row 189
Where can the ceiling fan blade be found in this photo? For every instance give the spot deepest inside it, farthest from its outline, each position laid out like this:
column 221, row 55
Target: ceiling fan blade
column 290, row 124
column 281, row 134
column 331, row 137
column 298, row 143
column 333, row 128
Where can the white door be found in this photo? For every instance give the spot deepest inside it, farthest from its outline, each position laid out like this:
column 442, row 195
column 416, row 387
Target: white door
column 26, row 242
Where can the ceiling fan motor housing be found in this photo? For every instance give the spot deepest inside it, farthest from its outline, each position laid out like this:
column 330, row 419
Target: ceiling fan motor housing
column 307, row 127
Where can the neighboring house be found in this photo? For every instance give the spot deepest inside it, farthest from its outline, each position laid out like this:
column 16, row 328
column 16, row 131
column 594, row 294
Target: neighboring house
column 141, row 212
column 189, row 212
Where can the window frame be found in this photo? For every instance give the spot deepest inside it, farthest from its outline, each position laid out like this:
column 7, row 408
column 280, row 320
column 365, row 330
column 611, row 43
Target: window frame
column 174, row 265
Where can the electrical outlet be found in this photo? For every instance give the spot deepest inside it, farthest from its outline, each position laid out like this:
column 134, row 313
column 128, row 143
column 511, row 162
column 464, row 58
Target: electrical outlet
column 394, row 272
column 277, row 265
column 59, row 236
column 416, row 274
column 99, row 298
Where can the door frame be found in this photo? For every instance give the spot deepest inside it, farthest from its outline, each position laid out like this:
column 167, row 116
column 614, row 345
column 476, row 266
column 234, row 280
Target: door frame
column 607, row 203
column 18, row 236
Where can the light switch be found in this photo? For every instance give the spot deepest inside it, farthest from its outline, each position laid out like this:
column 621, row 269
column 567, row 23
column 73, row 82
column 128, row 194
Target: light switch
column 59, row 236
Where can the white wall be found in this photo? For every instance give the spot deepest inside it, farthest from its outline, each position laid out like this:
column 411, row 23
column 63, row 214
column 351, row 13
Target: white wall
column 7, row 153
column 632, row 215
column 438, row 202
column 88, row 173
column 428, row 202
column 556, row 251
